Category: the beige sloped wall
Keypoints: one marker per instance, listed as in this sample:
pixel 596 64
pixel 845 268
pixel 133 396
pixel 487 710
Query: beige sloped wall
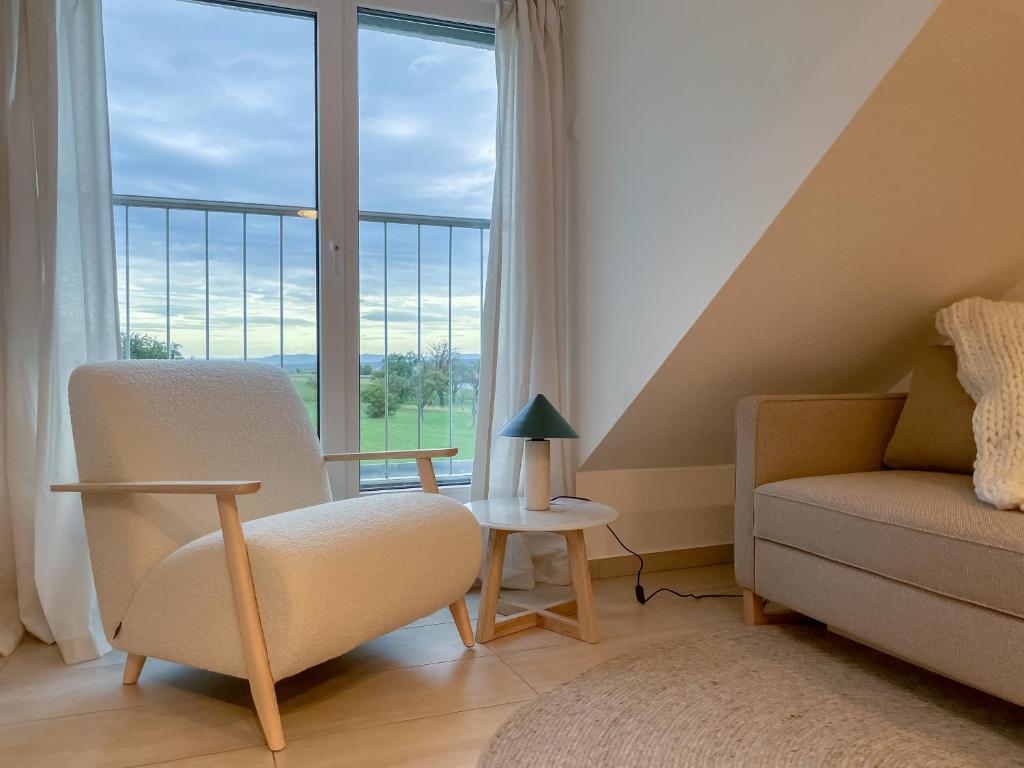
pixel 1016 293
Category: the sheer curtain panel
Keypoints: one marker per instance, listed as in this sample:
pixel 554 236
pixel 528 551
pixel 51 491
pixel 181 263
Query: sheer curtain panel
pixel 524 319
pixel 59 308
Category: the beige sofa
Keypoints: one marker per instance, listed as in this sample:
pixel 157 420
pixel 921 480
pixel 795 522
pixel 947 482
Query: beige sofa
pixel 909 562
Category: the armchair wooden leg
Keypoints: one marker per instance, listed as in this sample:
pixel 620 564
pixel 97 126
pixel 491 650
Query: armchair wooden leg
pixel 753 609
pixel 133 668
pixel 254 645
pixel 461 615
pixel 265 698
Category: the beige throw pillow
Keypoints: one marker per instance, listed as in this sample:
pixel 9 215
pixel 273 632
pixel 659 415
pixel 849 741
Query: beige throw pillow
pixel 934 432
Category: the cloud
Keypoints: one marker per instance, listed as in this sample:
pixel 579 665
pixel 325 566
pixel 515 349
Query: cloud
pixel 459 186
pixel 424 63
pixel 190 144
pixel 393 127
pixel 476 80
pixel 211 102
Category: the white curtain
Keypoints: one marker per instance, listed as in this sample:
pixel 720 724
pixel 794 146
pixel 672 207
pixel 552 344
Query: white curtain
pixel 59 302
pixel 524 320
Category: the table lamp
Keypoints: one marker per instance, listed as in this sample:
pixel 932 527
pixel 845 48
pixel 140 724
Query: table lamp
pixel 537 422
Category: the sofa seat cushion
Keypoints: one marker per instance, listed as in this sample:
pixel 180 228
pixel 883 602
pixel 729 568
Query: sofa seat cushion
pixel 328 578
pixel 927 529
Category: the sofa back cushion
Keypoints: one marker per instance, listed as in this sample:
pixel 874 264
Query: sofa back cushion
pixel 934 432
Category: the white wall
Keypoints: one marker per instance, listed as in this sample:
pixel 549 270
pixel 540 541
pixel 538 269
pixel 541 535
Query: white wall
pixel 661 509
pixel 694 123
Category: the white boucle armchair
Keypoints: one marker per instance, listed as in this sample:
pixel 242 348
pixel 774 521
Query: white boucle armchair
pixel 275 576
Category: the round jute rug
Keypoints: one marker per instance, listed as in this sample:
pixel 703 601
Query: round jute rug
pixel 759 696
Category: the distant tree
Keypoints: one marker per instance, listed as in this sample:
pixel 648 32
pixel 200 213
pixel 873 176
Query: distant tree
pixel 440 375
pixel 435 386
pixel 372 396
pixel 435 375
pixel 401 385
pixel 145 347
pixel 401 364
pixel 366 370
pixel 438 355
pixel 466 375
pixel 401 375
pixel 446 374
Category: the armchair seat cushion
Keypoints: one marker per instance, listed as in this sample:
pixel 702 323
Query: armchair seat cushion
pixel 926 529
pixel 327 577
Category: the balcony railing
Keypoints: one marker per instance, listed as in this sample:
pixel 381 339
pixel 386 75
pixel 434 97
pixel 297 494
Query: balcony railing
pixel 421 287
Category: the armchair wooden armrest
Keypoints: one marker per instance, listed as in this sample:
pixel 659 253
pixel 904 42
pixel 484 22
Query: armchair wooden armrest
pixel 254 645
pixel 211 487
pixel 423 458
pixel 423 453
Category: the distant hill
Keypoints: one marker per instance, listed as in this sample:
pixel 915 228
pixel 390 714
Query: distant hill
pixel 306 363
pixel 375 361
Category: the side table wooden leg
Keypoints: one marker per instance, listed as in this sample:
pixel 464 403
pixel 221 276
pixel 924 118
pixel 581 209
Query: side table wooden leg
pixel 580 571
pixel 491 588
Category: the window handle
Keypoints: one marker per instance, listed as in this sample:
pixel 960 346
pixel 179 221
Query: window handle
pixel 336 260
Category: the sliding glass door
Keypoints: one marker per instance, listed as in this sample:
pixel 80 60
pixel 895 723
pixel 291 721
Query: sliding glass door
pixel 272 205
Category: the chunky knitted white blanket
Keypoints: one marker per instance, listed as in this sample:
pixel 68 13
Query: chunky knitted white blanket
pixel 989 339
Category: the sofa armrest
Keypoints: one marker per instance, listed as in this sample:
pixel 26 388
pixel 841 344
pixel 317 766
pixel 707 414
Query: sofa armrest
pixel 779 437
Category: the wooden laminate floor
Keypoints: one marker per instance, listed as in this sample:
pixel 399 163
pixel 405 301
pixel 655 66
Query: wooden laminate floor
pixel 415 697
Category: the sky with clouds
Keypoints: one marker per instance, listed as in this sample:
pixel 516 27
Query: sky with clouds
pixel 218 103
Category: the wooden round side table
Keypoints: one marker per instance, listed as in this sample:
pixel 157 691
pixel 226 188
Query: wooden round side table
pixel 570 517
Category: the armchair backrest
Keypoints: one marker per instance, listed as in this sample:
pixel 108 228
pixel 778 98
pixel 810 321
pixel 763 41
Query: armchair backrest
pixel 181 420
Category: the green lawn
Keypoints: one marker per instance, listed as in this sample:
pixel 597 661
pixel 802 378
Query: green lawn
pixel 305 383
pixel 433 432
pixel 402 424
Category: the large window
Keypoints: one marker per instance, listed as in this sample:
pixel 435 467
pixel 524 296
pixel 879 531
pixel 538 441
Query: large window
pixel 227 167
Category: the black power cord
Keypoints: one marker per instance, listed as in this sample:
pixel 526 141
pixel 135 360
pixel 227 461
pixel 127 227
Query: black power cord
pixel 641 596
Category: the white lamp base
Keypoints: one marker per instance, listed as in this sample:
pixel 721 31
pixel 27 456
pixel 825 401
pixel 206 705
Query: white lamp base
pixel 538 475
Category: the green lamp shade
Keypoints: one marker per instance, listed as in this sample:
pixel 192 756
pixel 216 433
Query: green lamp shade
pixel 538 419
